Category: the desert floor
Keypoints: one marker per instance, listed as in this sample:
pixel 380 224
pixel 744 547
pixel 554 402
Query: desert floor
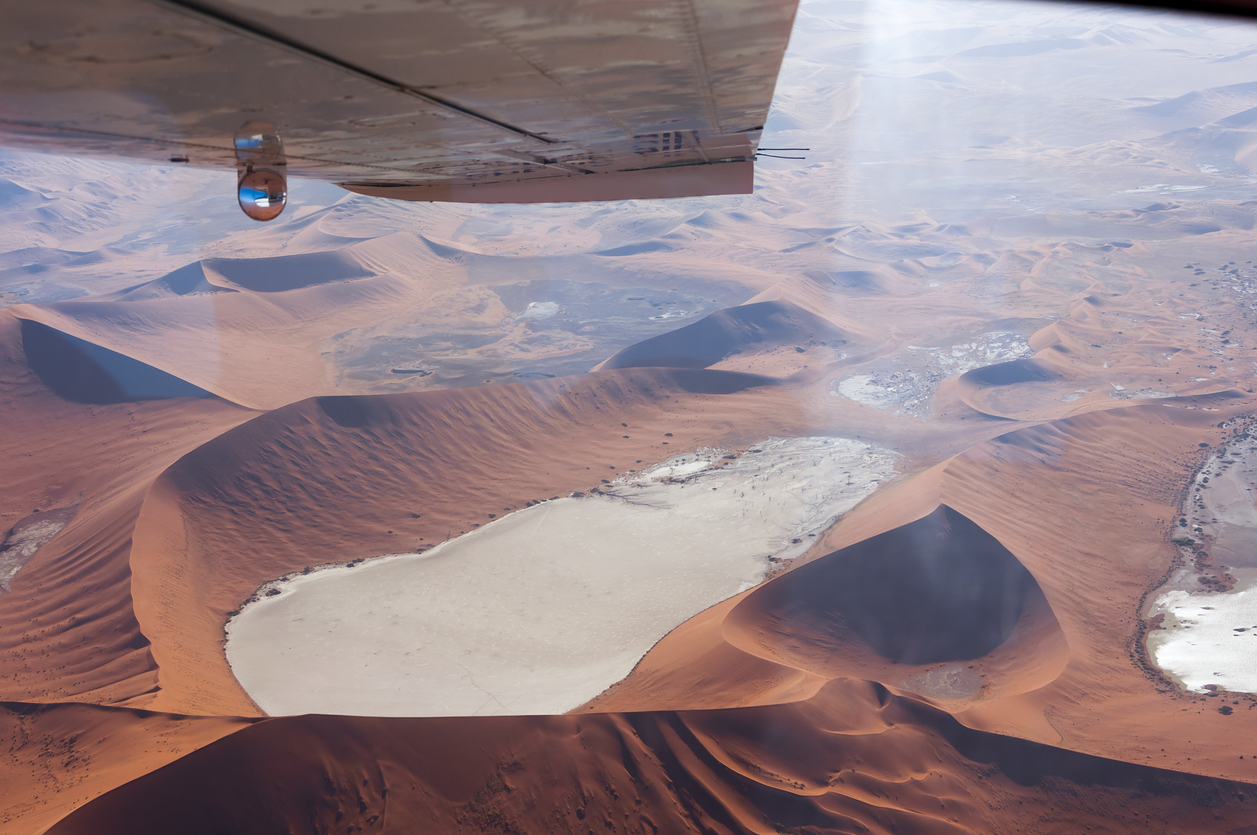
pixel 912 493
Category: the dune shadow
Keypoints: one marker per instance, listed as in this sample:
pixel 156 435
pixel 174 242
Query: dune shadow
pixel 726 332
pixel 719 382
pixel 938 589
pixel 290 272
pixel 1009 374
pixel 350 412
pixel 83 372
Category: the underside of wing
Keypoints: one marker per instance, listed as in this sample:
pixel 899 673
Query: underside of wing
pixel 481 101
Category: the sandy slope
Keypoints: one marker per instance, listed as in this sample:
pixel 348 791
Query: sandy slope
pixel 1070 673
pixel 750 328
pixel 69 632
pixel 882 764
pixel 332 480
pixel 249 330
pixel 264 332
pixel 191 528
pixel 57 757
pixel 545 607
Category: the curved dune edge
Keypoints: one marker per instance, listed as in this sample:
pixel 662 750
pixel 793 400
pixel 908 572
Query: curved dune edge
pixel 75 634
pixel 261 466
pixel 104 339
pixel 67 627
pixel 881 764
pixel 787 333
pixel 253 482
pixel 98 651
pixel 59 757
pixel 252 331
pixel 754 326
pixel 1065 376
pixel 1048 397
pixel 954 621
pixel 83 372
pixel 1082 687
pixel 335 479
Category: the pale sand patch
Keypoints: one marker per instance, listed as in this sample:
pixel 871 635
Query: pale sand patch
pixel 539 310
pixel 24 540
pixel 988 349
pixel 545 608
pixel 880 394
pixel 677 467
pixel 909 382
pixel 1209 638
pixel 1123 393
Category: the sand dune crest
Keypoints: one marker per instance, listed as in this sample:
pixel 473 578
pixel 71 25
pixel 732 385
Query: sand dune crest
pixel 83 372
pixel 755 326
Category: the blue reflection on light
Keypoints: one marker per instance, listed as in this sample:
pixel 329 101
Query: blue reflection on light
pixel 260 198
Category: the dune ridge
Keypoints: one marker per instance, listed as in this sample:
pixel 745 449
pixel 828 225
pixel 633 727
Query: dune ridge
pixel 1071 670
pixel 80 371
pixel 333 479
pixel 752 326
pixel 59 757
pixel 67 628
pixel 209 322
pixel 242 507
pixel 884 764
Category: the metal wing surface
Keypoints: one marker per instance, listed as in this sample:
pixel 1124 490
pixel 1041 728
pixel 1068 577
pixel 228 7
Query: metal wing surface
pixel 449 100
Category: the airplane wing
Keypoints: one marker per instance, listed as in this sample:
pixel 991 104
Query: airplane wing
pixel 483 101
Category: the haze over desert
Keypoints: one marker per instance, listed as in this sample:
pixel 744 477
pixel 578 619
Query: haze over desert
pixel 911 493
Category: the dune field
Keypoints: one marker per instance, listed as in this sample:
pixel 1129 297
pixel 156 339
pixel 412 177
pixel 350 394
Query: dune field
pixel 911 493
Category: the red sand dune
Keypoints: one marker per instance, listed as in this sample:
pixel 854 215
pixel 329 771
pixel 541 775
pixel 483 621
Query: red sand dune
pixel 334 479
pixel 855 758
pixel 750 327
pixel 845 694
pixel 67 628
pixel 255 498
pixel 1071 672
pixel 1076 360
pixel 253 331
pixel 842 694
pixel 57 757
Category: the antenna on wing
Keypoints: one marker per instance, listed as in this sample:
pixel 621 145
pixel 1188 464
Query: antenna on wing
pixel 760 153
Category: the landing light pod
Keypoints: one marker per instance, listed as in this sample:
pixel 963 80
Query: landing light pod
pixel 262 193
pixel 261 171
